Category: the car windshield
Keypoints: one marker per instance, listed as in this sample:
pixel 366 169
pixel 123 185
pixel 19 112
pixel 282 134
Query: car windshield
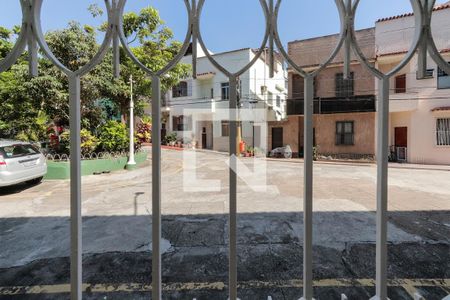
pixel 17 150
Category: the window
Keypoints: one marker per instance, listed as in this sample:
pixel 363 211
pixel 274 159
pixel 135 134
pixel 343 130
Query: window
pixel 344 87
pixel 180 90
pixel 225 88
pixel 181 123
pixel 345 133
pixel 298 86
pixel 400 84
pixel 278 101
pixel 19 150
pixel 443 79
pixel 443 132
pixel 225 128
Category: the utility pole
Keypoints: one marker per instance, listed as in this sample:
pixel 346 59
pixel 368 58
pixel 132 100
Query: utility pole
pixel 131 162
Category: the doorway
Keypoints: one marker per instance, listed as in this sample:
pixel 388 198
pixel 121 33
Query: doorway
pixel 401 143
pixel 277 137
pixel 204 139
pixel 401 137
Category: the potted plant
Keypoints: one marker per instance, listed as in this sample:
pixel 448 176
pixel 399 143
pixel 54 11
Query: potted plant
pixel 171 139
pixel 315 153
pixel 249 151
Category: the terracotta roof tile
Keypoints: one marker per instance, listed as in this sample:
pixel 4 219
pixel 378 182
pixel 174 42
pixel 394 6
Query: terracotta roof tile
pixel 442 108
pixel 436 8
pixel 404 52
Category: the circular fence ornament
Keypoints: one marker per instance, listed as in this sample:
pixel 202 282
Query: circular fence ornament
pixel 417 8
pixel 257 55
pixel 432 48
pixel 94 60
pixel 303 73
pixel 21 41
pixel 174 61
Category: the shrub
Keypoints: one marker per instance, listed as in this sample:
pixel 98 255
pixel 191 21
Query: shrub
pixel 113 137
pixel 144 132
pixel 88 142
pixel 170 138
pixel 35 131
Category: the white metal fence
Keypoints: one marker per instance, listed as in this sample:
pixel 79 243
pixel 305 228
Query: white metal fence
pixel 31 36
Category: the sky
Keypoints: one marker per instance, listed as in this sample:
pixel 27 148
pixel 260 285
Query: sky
pixel 225 24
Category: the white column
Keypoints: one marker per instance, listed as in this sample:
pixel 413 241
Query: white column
pixel 131 162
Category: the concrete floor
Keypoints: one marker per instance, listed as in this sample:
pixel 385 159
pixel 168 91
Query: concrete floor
pixel 34 231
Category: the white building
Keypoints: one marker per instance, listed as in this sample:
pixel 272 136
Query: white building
pixel 210 92
pixel 419 108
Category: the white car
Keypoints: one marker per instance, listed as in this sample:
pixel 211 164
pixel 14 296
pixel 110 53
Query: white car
pixel 281 152
pixel 20 162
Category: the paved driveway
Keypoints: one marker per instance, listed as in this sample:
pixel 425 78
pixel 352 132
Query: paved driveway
pixel 34 232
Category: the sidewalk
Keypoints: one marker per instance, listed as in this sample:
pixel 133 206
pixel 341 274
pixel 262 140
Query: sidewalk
pixel 332 162
pixel 371 164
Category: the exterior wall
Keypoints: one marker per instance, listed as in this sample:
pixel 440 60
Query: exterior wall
pixel 325 134
pixel 325 85
pixel 291 132
pixel 414 109
pixel 396 35
pixel 252 82
pixel 312 52
pixel 364 136
pixel 309 53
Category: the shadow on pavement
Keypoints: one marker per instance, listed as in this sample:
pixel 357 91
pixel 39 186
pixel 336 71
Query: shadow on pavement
pixel 17 188
pixel 117 255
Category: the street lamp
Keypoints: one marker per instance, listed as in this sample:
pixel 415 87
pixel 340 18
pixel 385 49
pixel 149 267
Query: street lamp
pixel 131 162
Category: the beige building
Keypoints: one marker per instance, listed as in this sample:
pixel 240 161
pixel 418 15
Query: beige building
pixel 419 108
pixel 344 109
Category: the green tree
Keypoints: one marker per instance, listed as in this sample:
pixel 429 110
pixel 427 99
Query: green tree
pixel 155 49
pixel 5 41
pixel 113 137
pixel 25 101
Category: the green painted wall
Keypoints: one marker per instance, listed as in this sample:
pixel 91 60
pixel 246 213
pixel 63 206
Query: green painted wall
pixel 61 170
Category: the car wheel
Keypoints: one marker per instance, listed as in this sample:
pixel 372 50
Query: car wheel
pixel 36 180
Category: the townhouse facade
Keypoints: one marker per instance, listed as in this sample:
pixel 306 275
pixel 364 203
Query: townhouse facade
pixel 344 109
pixel 195 106
pixel 419 107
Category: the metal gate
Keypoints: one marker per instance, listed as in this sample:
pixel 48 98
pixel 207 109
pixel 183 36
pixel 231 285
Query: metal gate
pixel 31 36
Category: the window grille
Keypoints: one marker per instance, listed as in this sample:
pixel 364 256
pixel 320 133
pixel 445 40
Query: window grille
pixel 443 132
pixel 345 133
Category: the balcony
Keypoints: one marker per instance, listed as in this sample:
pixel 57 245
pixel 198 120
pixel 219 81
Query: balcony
pixel 333 105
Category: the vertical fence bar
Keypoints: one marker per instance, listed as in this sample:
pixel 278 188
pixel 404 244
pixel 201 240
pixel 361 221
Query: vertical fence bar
pixel 76 249
pixel 116 56
pixel 156 188
pixel 32 43
pixel 348 40
pixel 194 39
pixel 271 43
pixel 233 190
pixel 423 45
pixel 382 187
pixel 422 57
pixel 116 45
pixel 32 55
pixel 308 189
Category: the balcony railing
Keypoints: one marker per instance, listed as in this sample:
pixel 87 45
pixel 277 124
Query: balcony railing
pixel 295 106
